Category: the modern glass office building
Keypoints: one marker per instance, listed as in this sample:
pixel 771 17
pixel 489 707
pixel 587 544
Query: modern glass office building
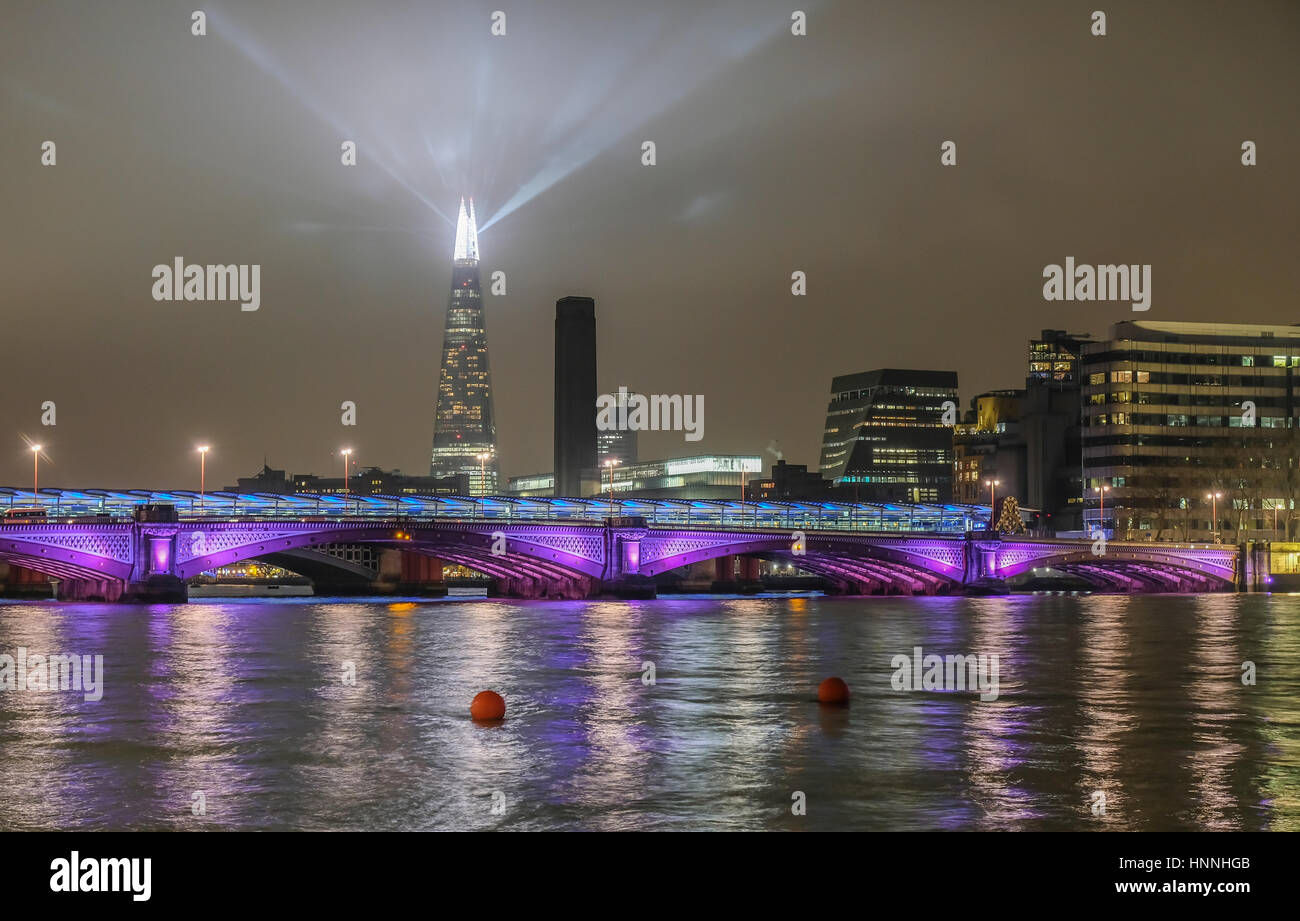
pixel 464 428
pixel 713 476
pixel 886 437
pixel 1189 430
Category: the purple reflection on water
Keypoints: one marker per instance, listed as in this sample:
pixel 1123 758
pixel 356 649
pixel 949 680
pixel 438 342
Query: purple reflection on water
pixel 244 701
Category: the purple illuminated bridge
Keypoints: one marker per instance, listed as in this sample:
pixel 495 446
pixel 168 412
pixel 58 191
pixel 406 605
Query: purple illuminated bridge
pixel 130 560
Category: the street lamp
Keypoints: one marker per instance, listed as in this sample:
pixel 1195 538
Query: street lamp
pixel 346 452
pixel 36 470
pixel 991 484
pixel 610 464
pixel 1101 521
pixel 1214 498
pixel 483 458
pixel 203 473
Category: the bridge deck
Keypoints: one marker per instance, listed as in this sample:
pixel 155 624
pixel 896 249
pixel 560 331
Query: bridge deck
pixel 221 505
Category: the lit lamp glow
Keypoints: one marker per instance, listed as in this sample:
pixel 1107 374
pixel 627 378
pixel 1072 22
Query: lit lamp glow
pixel 36 473
pixel 610 464
pixel 203 472
pixel 1214 498
pixel 992 485
pixel 1101 491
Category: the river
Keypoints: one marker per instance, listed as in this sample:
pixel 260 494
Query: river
pixel 686 712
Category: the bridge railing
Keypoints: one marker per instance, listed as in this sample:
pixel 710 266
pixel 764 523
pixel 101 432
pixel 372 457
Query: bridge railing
pixel 61 504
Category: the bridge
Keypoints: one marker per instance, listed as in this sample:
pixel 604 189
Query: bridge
pixel 566 548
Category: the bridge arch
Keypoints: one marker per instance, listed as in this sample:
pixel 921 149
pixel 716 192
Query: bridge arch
pixel 517 554
pixel 1127 566
pixel 847 560
pixel 63 552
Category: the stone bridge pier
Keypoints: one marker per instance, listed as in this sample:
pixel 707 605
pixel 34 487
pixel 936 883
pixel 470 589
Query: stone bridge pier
pixel 416 573
pixel 622 577
pixel 735 574
pixel 152 579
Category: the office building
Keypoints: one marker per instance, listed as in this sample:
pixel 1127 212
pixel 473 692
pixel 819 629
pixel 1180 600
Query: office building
pixel 368 481
pixel 714 476
pixel 885 435
pixel 1189 430
pixel 618 445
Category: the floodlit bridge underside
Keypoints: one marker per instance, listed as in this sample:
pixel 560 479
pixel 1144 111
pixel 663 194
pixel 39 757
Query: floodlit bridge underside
pixel 520 566
pixel 1134 568
pixel 553 560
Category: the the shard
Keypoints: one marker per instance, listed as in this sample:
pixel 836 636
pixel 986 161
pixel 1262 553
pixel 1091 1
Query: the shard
pixel 464 428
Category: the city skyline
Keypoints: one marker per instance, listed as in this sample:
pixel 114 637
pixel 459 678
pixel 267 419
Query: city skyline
pixel 908 264
pixel 611 416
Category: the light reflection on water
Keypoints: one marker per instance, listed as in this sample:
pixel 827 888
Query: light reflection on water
pixel 1139 698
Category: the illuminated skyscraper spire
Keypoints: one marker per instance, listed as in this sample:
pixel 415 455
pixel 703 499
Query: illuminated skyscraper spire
pixel 466 234
pixel 464 427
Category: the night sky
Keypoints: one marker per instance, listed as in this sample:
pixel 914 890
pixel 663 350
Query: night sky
pixel 775 153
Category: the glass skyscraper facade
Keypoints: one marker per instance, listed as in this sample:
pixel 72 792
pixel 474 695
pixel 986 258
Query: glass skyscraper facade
pixel 464 428
pixel 885 435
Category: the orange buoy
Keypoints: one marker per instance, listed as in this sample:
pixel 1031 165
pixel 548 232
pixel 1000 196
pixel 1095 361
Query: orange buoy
pixel 489 705
pixel 833 691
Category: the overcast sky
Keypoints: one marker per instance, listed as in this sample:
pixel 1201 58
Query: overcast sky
pixel 775 153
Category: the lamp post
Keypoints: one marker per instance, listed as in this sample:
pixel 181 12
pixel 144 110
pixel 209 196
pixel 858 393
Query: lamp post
pixel 1214 498
pixel 203 474
pixel 482 480
pixel 346 453
pixel 742 491
pixel 1101 492
pixel 992 485
pixel 36 474
pixel 610 464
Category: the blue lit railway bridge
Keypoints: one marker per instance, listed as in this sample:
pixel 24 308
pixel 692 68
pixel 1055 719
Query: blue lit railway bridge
pixel 139 545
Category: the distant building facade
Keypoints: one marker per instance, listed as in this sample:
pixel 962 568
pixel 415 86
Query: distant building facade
pixel 713 476
pixel 885 435
pixel 989 450
pixel 1054 357
pixel 794 482
pixel 1026 443
pixel 1178 413
pixel 368 481
pixel 618 444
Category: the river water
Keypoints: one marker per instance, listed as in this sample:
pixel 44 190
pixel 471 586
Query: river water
pixel 241 710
